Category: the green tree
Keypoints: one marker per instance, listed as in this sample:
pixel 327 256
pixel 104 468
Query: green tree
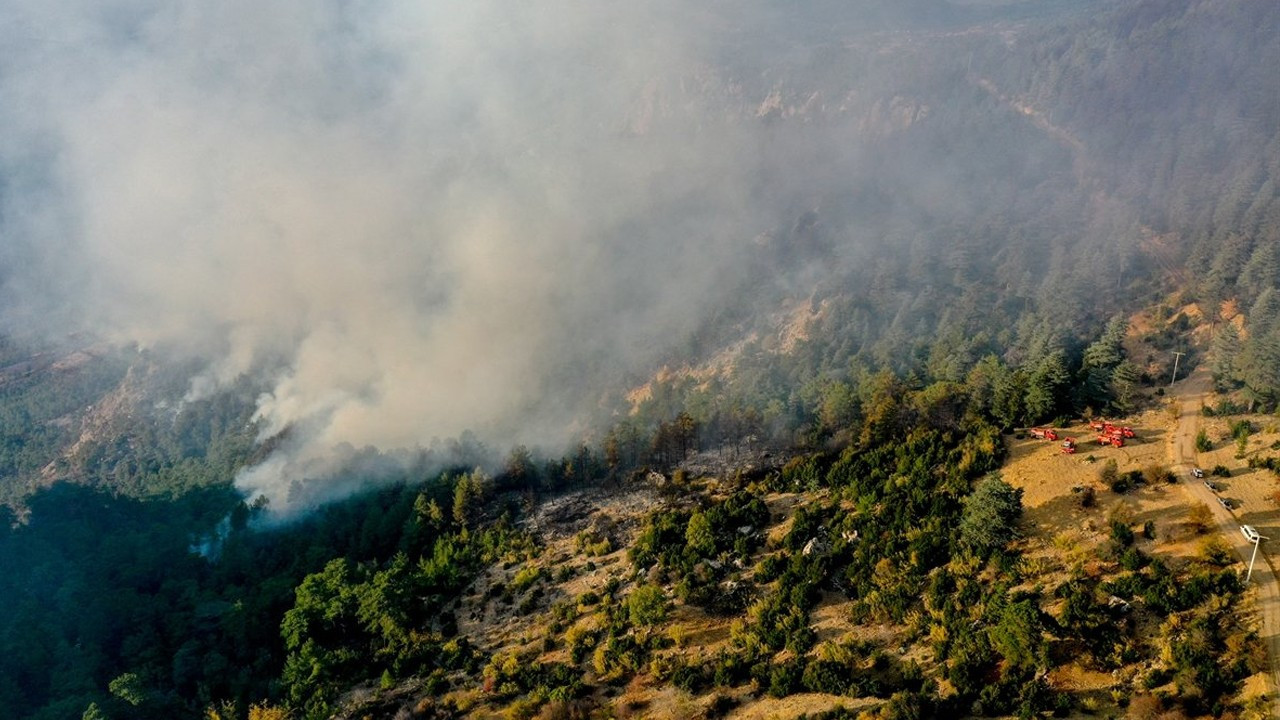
pixel 128 687
pixel 1264 314
pixel 698 536
pixel 1099 364
pixel 990 516
pixel 1019 636
pixel 612 451
pixel 520 471
pixel 319 633
pixel 1223 352
pixel 1007 393
pixel 427 512
pixel 1259 368
pixel 1108 350
pixel 1124 386
pixel 837 406
pixel 1262 271
pixel 1202 441
pixel 647 606
pixel 1045 386
pixel 468 494
pixel 981 383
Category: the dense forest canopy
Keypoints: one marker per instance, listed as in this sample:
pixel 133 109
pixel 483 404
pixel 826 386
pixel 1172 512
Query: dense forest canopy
pixel 278 389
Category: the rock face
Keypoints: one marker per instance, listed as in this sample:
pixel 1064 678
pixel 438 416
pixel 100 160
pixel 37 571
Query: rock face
pixel 747 460
pixel 816 546
pixel 606 513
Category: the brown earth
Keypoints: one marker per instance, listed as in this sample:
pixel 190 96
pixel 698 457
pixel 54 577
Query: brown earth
pixel 1062 534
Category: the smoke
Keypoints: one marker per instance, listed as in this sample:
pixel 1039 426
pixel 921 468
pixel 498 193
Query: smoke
pixel 408 219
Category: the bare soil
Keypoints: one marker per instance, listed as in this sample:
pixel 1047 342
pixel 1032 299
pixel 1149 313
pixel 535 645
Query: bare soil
pixel 1062 534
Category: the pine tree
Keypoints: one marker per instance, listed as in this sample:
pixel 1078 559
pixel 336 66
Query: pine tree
pixel 1264 315
pixel 1045 386
pixel 1260 368
pixel 1223 354
pixel 1262 271
pixel 990 516
pixel 467 495
pixel 1107 351
pixel 1124 386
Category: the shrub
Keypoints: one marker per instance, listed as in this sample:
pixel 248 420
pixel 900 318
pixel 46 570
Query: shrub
pixel 1199 518
pixel 1121 534
pixel 1088 497
pixel 525 578
pixel 522 709
pixel 784 679
pixel 802 472
pixel 647 606
pixel 1241 429
pixel 527 605
pixel 1220 471
pixel 825 676
pixel 1157 473
pixel 1216 551
pixel 1270 463
pixel 1202 441
pixel 1133 559
pixel 720 706
pixel 559 709
pixel 1110 476
pixel 688 678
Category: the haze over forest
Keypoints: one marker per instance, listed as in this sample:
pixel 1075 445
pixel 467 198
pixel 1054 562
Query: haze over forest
pixel 291 252
pixel 404 222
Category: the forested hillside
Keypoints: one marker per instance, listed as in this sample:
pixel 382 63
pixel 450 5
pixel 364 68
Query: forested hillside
pixel 962 219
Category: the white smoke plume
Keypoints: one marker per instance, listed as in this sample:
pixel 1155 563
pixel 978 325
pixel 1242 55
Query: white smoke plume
pixel 421 217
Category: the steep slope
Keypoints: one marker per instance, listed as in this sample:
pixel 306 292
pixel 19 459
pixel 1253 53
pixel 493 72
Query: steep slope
pixel 978 218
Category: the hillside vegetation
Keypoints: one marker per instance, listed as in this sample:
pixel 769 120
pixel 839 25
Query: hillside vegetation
pixel 800 509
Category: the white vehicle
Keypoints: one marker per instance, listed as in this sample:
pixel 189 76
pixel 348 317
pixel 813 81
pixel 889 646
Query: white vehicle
pixel 1197 472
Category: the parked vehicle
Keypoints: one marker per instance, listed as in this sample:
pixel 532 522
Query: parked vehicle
pixel 1044 433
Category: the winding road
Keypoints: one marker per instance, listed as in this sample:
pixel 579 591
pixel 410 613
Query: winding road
pixel 1190 394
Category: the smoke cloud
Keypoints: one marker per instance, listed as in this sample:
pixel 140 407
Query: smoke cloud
pixel 414 218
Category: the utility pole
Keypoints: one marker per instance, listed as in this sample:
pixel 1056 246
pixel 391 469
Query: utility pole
pixel 1176 357
pixel 1252 536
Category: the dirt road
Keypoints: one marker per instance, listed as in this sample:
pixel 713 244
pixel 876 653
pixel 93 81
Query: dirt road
pixel 1190 394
